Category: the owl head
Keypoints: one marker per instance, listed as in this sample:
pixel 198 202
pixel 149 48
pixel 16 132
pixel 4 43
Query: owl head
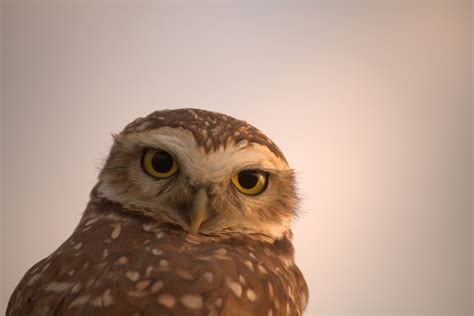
pixel 206 172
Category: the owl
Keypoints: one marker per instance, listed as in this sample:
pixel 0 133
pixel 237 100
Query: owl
pixel 191 215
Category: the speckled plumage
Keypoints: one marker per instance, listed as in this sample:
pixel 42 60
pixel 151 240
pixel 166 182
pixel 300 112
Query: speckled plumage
pixel 133 252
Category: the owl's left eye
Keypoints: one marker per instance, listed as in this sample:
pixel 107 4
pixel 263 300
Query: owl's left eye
pixel 158 163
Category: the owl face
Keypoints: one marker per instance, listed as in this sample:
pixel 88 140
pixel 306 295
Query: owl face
pixel 206 172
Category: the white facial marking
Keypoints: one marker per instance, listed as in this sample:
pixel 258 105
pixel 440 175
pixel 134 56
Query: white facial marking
pixel 212 165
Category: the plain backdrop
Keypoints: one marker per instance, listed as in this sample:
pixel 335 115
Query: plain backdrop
pixel 370 101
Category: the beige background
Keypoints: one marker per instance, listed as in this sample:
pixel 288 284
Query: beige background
pixel 372 104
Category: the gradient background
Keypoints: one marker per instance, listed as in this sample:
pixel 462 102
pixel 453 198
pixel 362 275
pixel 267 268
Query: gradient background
pixel 371 103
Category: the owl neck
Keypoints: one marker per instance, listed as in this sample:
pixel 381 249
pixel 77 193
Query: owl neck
pixel 100 206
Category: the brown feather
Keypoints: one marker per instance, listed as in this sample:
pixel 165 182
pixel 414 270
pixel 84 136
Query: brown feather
pixel 117 263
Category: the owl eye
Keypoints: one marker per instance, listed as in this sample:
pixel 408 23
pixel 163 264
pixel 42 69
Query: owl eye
pixel 158 163
pixel 250 182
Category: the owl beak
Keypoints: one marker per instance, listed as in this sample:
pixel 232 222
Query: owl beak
pixel 199 211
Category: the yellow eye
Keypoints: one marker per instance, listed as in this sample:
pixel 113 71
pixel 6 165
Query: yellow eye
pixel 158 163
pixel 250 182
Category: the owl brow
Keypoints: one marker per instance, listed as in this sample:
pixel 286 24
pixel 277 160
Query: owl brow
pixel 255 167
pixel 134 145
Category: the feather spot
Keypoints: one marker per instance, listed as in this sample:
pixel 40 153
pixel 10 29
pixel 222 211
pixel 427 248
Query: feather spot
pixel 91 221
pixel 137 293
pixel 270 290
pixel 45 267
pixel 58 287
pixel 249 265
pixel 262 269
pixel 147 227
pixel 157 252
pixel 270 312
pixel 76 288
pixel 34 278
pixel 133 275
pixel 185 274
pixel 235 287
pixel 158 285
pixel 251 295
pixel 167 300
pixel 122 260
pixel 242 279
pixel 148 271
pixel 208 276
pixel 116 231
pixel 164 264
pixel 192 301
pixel 85 266
pixel 220 252
pixel 81 300
pixel 104 300
pixel 143 284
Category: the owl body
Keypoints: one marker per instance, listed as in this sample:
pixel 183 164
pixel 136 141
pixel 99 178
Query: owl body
pixel 190 216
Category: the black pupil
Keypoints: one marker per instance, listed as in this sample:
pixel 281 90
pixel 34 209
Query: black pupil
pixel 248 180
pixel 162 162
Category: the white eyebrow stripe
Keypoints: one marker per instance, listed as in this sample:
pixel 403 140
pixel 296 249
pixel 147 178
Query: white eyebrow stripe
pixel 213 165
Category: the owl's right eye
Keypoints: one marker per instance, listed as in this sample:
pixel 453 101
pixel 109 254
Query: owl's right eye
pixel 158 163
pixel 250 182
